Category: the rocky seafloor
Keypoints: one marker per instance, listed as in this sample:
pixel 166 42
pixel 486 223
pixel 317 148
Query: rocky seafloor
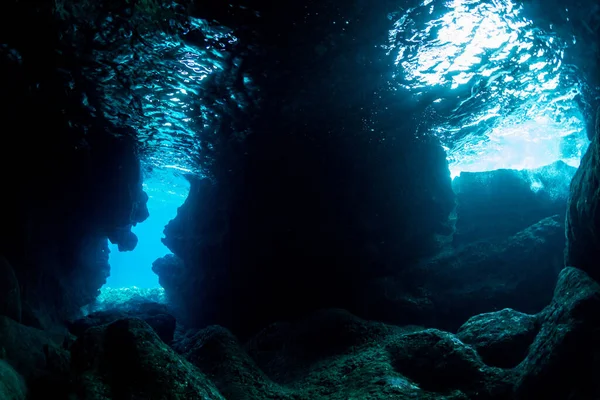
pixel 135 349
pixel 330 354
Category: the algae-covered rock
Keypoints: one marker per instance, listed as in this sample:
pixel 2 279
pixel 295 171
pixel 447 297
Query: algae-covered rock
pixel 439 361
pixel 127 359
pixel 155 314
pixel 217 353
pixel 501 338
pixel 372 360
pixel 12 385
pixel 36 356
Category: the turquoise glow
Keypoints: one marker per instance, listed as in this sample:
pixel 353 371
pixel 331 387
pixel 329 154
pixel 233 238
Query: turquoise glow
pixel 506 97
pixel 166 190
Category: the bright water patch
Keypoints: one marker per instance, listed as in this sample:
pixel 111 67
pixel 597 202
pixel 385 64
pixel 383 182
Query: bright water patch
pixel 167 191
pixel 501 95
pixel 170 91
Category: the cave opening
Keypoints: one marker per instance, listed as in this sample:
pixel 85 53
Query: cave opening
pixel 131 271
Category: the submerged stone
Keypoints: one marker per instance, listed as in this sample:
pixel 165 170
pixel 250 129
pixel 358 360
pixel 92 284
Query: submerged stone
pixel 154 314
pixel 126 359
pixel 218 354
pixel 439 361
pixel 34 354
pixel 501 338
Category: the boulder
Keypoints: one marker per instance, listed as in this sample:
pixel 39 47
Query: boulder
pixel 439 361
pixel 501 338
pixel 127 359
pixel 42 362
pixel 218 354
pixel 154 314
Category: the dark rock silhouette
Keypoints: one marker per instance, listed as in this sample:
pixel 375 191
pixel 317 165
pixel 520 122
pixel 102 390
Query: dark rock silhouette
pixel 154 314
pixel 583 212
pixel 126 359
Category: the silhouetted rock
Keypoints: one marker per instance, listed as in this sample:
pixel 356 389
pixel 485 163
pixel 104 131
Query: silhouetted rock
pixel 438 361
pixel 519 272
pixel 252 248
pixel 10 293
pixel 583 213
pixel 35 355
pixel 126 359
pixel 54 232
pixel 501 338
pixel 218 354
pixel 500 203
pixel 172 277
pixel 154 314
pixel 562 362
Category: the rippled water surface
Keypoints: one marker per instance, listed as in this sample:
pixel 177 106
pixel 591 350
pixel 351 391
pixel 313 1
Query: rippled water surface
pixel 493 81
pixel 161 89
pixel 501 94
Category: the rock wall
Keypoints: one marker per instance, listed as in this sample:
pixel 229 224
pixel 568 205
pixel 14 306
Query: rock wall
pixel 583 212
pixel 331 189
pixel 70 179
pixel 498 204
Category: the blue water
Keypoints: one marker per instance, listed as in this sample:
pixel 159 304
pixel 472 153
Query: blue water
pixel 167 190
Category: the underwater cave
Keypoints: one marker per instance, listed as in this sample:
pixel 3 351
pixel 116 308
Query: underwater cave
pixel 132 270
pixel 300 200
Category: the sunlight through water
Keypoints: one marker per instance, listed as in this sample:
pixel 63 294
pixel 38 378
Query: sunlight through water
pixel 500 94
pixel 164 90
